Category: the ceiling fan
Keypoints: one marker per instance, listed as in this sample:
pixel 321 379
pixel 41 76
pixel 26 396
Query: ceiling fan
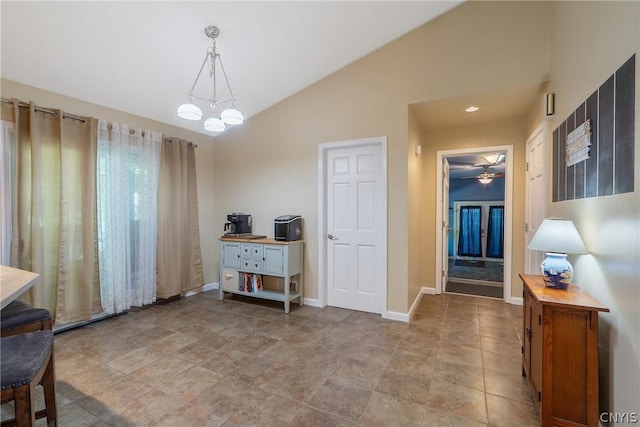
pixel 485 177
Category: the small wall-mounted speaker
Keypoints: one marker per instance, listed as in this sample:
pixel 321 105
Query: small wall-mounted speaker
pixel 550 104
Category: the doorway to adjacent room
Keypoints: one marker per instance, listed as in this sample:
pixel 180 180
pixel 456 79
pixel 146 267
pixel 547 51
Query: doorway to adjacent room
pixel 476 221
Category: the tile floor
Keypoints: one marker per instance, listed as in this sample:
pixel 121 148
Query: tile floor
pixel 202 362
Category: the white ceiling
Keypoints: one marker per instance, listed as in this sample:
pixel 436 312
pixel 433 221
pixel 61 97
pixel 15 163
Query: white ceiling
pixel 142 57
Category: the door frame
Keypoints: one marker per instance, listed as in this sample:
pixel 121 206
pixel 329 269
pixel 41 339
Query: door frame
pixel 508 210
pixel 380 141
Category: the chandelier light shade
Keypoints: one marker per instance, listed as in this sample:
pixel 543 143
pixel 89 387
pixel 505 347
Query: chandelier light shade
pixel 485 180
pixel 557 237
pixel 189 111
pixel 230 114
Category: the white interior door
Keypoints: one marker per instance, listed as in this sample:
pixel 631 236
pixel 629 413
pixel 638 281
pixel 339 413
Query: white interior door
pixel 445 223
pixel 355 239
pixel 535 198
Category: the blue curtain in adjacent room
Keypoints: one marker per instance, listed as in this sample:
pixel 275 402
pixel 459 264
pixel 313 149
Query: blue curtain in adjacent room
pixel 495 232
pixel 469 242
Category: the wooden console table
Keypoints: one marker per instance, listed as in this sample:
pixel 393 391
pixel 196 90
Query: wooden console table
pixel 560 352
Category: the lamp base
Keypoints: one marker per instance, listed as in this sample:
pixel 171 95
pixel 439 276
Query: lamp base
pixel 556 271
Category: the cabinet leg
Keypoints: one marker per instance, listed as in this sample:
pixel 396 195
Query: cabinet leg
pixel 286 306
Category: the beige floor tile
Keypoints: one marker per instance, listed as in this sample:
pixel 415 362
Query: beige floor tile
pixel 459 354
pixel 171 343
pixel 237 363
pixel 358 373
pixel 437 417
pixel 161 371
pixel 455 373
pixel 311 417
pixel 147 410
pixel 462 401
pixel 135 360
pixel 344 400
pixel 385 410
pixel 404 386
pixel 508 412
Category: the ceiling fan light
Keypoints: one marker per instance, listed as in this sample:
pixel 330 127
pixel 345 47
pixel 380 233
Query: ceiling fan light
pixel 232 116
pixel 214 124
pixel 189 111
pixel 485 180
pixel 494 159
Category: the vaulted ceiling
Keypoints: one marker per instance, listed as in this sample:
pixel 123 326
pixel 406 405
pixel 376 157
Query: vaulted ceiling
pixel 142 57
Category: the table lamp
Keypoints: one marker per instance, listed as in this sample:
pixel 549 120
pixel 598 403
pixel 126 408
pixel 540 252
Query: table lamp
pixel 557 237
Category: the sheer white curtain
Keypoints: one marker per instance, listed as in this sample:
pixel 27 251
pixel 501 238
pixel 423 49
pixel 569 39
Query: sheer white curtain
pixel 7 151
pixel 127 180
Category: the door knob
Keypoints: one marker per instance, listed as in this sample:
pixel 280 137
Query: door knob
pixel 332 237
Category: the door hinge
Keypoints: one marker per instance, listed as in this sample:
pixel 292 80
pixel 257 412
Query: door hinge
pixel 444 174
pixel 522 349
pixel 443 224
pixel 442 273
pixel 539 319
pixel 527 166
pixel 526 227
pixel 539 396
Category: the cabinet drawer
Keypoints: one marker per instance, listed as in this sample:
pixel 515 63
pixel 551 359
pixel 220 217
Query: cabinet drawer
pixel 256 251
pixel 246 251
pixel 251 265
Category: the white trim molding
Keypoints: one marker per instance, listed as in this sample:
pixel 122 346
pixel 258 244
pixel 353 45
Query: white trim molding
pixel 312 302
pixel 205 288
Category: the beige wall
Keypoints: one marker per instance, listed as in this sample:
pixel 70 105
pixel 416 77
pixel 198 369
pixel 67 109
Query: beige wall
pixel 268 167
pixel 505 132
pixel 590 41
pixel 416 222
pixel 204 152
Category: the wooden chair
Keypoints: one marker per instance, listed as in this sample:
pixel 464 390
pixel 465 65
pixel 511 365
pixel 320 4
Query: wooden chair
pixel 19 317
pixel 27 361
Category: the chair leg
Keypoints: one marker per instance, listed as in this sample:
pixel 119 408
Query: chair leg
pixel 25 397
pixel 49 388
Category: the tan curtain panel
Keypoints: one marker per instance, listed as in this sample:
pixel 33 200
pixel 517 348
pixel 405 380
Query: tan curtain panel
pixel 179 262
pixel 54 213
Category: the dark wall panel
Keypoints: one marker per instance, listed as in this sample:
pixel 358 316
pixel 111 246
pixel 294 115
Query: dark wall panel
pixel 562 162
pixel 605 139
pixel 571 170
pixel 624 127
pixel 554 184
pixel 610 167
pixel 591 164
pixel 579 167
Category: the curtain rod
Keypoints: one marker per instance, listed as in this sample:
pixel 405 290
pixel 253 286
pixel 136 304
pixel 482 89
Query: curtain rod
pixel 44 110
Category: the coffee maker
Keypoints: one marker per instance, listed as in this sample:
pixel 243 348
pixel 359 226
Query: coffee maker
pixel 238 224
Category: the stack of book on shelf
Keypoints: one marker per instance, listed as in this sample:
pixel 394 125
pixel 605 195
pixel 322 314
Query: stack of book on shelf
pixel 250 282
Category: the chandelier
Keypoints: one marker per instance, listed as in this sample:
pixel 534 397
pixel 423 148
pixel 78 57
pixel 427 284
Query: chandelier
pixel 230 115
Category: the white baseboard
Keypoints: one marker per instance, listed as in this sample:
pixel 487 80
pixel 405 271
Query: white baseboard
pixel 394 315
pixel 205 288
pixel 428 291
pixel 312 302
pixel 516 301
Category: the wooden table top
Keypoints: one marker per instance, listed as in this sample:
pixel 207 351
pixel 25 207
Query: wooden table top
pixel 13 282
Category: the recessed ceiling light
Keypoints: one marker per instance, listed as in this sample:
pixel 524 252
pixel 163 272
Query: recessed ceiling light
pixel 471 109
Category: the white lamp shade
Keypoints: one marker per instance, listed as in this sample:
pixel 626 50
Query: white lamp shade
pixel 485 180
pixel 213 124
pixel 232 116
pixel 189 111
pixel 558 236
